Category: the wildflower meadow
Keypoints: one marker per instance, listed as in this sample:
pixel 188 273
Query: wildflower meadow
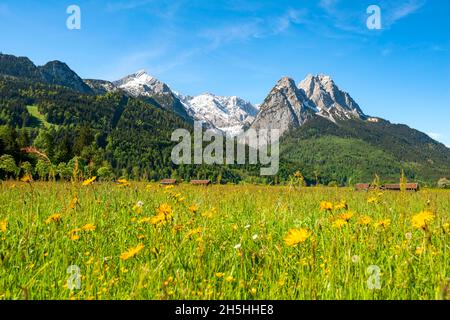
pixel 135 240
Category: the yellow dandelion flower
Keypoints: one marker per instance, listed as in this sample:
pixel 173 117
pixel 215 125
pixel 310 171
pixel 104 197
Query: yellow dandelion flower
pixel 326 206
pixel 73 234
pixel 372 200
pixel 88 227
pixel 193 208
pixel 145 220
pixel 296 236
pixel 3 225
pixel 422 219
pixel 220 274
pixel 74 237
pixel 53 218
pixel 229 279
pixel 194 232
pixel 253 291
pixel 164 209
pixel 210 213
pixel 89 181
pixel 123 183
pixel 130 253
pixel 158 220
pixel 341 205
pixel 141 236
pixel 383 223
pixel 364 220
pixel 346 216
pixel 446 227
pixel 339 223
pixel 73 202
pixel 26 178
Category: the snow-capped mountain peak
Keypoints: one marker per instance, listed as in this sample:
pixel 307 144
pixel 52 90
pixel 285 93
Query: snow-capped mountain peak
pixel 330 101
pixel 285 107
pixel 141 84
pixel 228 114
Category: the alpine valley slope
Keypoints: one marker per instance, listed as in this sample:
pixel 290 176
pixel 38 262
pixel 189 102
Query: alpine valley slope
pixel 326 134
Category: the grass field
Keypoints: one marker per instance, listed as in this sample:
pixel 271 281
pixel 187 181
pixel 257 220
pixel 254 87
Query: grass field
pixel 143 241
pixel 39 117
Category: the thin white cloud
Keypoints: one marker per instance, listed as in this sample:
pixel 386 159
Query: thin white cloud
pixel 181 58
pixel 229 33
pixel 398 12
pixel 127 5
pixel 328 5
pixel 350 21
pixel 354 20
pixel 166 9
pixel 292 16
pixel 134 61
pixel 253 28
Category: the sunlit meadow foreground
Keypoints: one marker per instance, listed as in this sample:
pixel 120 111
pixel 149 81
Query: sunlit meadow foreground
pixel 143 241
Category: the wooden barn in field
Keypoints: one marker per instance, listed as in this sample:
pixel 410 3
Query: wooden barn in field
pixel 167 182
pixel 392 187
pixel 397 187
pixel 362 187
pixel 201 182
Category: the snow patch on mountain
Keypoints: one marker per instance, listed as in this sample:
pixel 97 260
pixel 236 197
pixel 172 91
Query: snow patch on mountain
pixel 330 102
pixel 141 84
pixel 228 114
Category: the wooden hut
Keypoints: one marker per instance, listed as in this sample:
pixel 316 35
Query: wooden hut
pixel 397 187
pixel 201 182
pixel 167 182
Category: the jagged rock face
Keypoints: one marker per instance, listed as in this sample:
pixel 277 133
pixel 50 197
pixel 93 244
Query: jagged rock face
pixel 58 73
pixel 228 114
pixel 101 87
pixel 286 107
pixel 330 101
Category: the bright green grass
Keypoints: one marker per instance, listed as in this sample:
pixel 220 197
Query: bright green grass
pixel 331 264
pixel 34 112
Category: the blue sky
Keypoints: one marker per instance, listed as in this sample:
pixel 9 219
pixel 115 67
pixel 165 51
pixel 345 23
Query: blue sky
pixel 236 47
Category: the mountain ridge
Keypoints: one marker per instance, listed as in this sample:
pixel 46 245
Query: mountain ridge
pixel 320 123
